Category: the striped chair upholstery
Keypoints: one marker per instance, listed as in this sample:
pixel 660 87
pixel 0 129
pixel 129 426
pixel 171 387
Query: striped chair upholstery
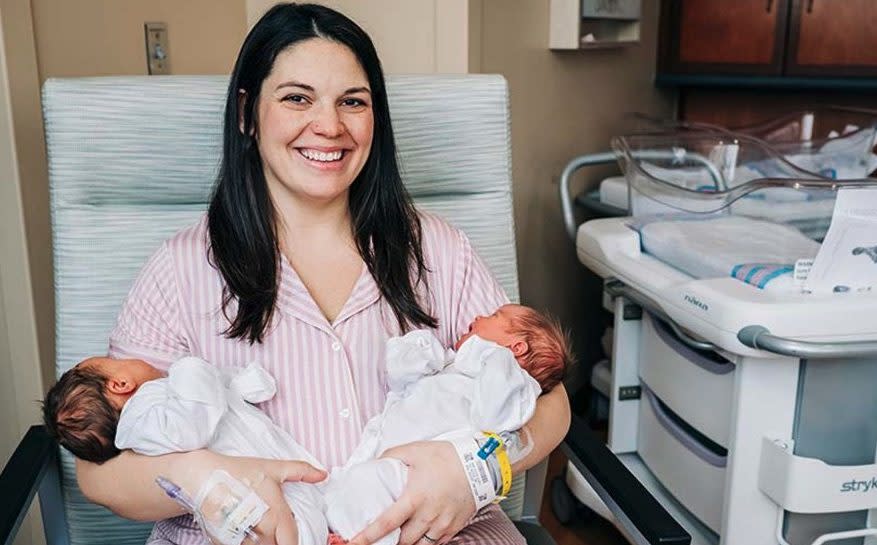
pixel 133 159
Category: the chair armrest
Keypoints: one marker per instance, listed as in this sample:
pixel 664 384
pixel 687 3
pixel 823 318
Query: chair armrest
pixel 32 468
pixel 641 516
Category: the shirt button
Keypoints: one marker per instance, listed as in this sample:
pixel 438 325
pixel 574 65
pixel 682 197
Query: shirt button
pixel 336 346
pixel 345 413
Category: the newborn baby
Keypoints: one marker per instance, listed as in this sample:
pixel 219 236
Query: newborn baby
pixel 501 365
pixel 104 405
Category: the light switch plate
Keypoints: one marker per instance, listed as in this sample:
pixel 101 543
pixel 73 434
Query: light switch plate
pixel 157 52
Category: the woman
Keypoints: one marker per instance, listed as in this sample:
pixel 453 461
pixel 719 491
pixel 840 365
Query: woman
pixel 310 257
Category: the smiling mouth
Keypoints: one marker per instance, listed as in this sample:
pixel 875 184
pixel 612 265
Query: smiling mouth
pixel 322 156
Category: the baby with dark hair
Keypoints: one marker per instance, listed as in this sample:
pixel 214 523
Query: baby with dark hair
pixel 501 365
pixel 82 409
pixel 105 405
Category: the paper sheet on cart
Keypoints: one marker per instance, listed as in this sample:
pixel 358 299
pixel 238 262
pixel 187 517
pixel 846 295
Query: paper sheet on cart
pixel 847 260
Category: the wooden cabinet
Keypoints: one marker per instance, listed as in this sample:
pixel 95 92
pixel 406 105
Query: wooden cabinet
pixel 798 38
pixel 717 36
pixel 832 38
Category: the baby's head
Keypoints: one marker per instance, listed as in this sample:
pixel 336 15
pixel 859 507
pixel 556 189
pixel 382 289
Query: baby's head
pixel 538 341
pixel 82 409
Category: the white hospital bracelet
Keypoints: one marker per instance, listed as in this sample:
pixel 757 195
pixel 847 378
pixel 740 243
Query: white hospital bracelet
pixel 476 470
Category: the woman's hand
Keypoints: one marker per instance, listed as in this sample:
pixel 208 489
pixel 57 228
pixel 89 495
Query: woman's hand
pixel 436 502
pixel 265 477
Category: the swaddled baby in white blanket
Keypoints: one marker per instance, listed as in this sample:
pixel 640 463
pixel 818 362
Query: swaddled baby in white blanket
pixel 491 383
pixel 197 405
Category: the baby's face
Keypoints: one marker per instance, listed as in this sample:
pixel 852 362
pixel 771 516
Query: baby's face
pixel 495 327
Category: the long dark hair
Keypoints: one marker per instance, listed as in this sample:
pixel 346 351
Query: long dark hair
pixel 244 246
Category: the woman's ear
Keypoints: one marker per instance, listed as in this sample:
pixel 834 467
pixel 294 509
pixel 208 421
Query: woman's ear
pixel 242 102
pixel 519 348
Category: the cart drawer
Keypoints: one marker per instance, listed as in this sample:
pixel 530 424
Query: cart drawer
pixel 696 385
pixel 692 468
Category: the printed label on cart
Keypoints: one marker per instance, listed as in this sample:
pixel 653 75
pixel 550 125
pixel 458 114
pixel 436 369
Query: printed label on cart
pixel 847 260
pixel 802 270
pixel 692 300
pixel 859 486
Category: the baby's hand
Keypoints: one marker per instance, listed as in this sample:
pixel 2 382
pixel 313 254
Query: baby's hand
pixel 335 539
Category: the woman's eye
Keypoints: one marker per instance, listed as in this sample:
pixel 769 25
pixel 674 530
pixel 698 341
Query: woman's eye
pixel 296 99
pixel 353 102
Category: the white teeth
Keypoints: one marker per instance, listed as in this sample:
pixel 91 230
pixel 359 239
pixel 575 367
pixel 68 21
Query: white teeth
pixel 314 155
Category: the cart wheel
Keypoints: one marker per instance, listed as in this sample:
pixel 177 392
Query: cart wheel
pixel 563 503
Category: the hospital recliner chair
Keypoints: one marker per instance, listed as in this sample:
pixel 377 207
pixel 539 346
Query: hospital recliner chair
pixel 133 159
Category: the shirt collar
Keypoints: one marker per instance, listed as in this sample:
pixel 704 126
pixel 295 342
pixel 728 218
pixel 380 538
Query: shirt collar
pixel 294 299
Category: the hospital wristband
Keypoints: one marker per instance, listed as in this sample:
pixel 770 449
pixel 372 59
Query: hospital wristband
pixel 476 470
pixel 504 483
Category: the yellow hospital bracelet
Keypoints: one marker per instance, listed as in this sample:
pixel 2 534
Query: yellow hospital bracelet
pixel 505 467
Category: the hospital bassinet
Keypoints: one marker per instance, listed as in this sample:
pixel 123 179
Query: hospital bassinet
pixel 746 408
pixel 829 141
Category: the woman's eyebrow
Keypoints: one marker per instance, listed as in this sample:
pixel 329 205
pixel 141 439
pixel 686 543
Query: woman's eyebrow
pixel 353 90
pixel 295 84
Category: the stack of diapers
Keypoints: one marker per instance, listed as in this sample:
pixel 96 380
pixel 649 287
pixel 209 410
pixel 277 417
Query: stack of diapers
pixel 758 252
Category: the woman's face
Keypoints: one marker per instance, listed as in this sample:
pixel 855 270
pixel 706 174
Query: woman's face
pixel 315 122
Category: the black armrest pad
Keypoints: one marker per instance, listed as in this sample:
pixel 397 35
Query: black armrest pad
pixel 22 476
pixel 534 533
pixel 604 471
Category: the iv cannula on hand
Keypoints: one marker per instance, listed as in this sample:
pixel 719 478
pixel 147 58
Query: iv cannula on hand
pixel 179 495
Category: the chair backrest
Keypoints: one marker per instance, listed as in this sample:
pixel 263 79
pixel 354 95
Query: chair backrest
pixel 133 159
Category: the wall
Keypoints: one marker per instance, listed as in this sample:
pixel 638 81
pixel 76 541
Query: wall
pixel 411 36
pixel 105 37
pixel 30 163
pixel 20 376
pixel 563 104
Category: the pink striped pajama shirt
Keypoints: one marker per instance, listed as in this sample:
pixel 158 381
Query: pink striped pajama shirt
pixel 330 376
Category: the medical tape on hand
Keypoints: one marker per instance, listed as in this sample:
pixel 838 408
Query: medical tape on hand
pixel 228 508
pixel 476 470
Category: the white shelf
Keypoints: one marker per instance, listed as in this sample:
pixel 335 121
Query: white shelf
pixel 610 23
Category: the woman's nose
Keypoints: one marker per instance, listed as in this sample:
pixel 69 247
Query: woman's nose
pixel 327 122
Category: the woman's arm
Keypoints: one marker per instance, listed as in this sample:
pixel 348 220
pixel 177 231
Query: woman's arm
pixel 139 498
pixel 126 485
pixel 547 428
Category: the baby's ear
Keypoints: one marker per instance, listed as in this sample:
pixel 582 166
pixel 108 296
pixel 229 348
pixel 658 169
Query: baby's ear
pixel 121 386
pixel 519 348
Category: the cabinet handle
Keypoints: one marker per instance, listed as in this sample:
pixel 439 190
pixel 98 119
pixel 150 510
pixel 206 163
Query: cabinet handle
pixel 769 5
pixel 809 6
